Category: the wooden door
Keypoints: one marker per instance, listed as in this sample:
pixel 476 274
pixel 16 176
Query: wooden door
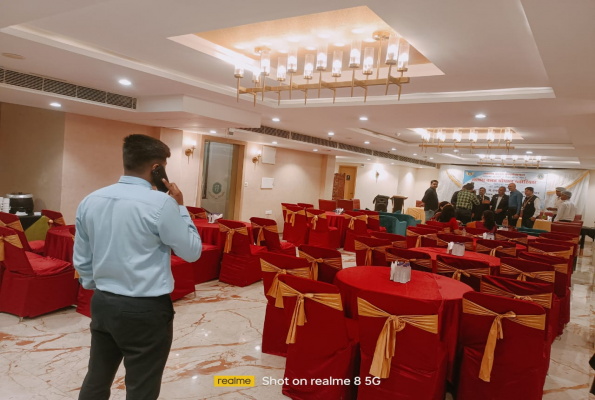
pixel 350 178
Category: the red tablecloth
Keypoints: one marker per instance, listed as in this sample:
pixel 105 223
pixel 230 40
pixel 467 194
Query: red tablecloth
pixel 209 233
pixel 426 287
pixel 338 221
pixel 469 255
pixel 59 243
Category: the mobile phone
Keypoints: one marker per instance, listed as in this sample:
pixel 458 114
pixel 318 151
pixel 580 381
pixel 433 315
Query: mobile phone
pixel 158 174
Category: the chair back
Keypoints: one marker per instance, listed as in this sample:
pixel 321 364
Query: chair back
pixel 467 271
pixel 518 355
pixel 234 235
pixel 357 222
pixel 496 248
pixel 265 233
pixel 327 205
pixel 356 204
pixel 371 251
pixel 317 220
pixel 72 230
pixel 305 205
pixel 323 332
pixel 449 237
pixel 416 236
pixel 521 270
pixel 346 205
pixel 417 260
pixel 551 250
pixel 568 244
pixel 13 222
pixel 55 218
pixel 12 253
pixel 514 236
pixel 396 240
pixel 443 227
pixel 560 264
pixel 197 212
pixel 373 219
pixel 273 265
pixel 327 261
pixel 563 237
pixel 476 231
pixel 567 227
pixel 295 226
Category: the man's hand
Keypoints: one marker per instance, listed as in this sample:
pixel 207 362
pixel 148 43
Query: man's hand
pixel 174 192
pixel 532 218
pixel 515 216
pixel 498 211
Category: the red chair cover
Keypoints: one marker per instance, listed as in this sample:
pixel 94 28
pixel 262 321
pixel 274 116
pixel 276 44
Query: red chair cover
pixel 564 251
pixel 564 237
pixel 356 204
pixel 566 243
pixel 13 222
pixel 328 260
pixel 266 229
pixel 496 248
pixel 418 367
pixel 31 284
pixel 467 271
pixel 346 205
pixel 325 346
pixel 475 231
pixel 514 236
pixel 467 241
pixel 518 371
pixel 567 227
pixel 197 212
pixel 443 227
pixel 305 205
pixel 374 221
pixel 83 301
pixel 421 237
pixel 371 251
pixel 357 228
pixel 55 217
pixel 327 205
pixel 183 278
pixel 418 261
pixel 295 227
pixel 208 266
pixel 274 334
pixel 396 240
pixel 241 265
pixel 319 231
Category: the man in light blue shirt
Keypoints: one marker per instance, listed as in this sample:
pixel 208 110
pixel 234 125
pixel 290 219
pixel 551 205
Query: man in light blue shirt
pixel 124 236
pixel 515 203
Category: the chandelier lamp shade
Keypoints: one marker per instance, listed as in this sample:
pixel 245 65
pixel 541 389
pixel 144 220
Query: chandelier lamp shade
pixel 436 138
pixel 526 162
pixel 365 62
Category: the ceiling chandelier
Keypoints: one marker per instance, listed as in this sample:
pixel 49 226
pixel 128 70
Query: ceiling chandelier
pixel 397 54
pixel 525 162
pixel 436 138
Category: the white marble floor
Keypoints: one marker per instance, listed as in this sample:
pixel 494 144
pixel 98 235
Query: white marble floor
pixel 219 332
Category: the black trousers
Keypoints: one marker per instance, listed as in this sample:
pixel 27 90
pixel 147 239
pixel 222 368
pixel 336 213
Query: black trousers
pixel 500 217
pixel 511 212
pixel 136 329
pixel 527 223
pixel 463 215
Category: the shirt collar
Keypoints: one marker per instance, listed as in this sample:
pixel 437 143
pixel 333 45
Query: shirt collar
pixel 133 180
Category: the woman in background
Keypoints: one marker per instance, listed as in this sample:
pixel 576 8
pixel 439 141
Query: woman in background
pixel 440 207
pixel 448 216
pixel 488 221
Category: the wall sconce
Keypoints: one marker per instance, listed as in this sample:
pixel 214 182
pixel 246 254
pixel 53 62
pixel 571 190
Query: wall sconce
pixel 257 158
pixel 190 151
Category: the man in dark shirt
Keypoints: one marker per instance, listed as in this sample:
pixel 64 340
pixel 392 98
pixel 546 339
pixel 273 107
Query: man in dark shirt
pixel 499 205
pixel 430 200
pixel 484 204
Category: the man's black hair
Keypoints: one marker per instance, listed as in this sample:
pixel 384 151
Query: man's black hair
pixel 433 180
pixel 141 150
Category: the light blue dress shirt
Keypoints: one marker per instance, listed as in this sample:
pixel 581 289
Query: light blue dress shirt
pixel 124 236
pixel 516 200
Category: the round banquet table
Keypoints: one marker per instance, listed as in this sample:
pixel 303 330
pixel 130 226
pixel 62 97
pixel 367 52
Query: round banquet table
pixel 209 233
pixel 338 221
pixel 469 255
pixel 59 243
pixel 446 292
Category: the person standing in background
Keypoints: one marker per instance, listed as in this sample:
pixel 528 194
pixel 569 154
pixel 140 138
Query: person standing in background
pixel 484 204
pixel 430 200
pixel 566 210
pixel 530 209
pixel 499 205
pixel 557 202
pixel 466 199
pixel 515 203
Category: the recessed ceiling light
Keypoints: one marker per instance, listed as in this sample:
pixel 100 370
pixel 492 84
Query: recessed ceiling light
pixel 529 152
pixel 431 158
pixel 366 142
pixel 369 40
pixel 57 105
pixel 324 35
pixel 276 120
pixel 368 159
pixel 310 48
pixel 13 56
pixel 339 44
pixel 212 131
pixel 274 142
pixel 358 30
pixel 414 154
pixel 315 150
pixel 124 82
pixel 480 116
pixel 363 118
pixel 393 149
pixel 455 150
pixel 331 133
pixel 392 163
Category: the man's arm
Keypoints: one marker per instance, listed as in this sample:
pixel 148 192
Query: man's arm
pixel 537 204
pixel 475 200
pixel 176 230
pixel 82 257
pixel 425 198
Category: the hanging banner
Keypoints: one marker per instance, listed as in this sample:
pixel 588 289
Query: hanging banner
pixel 492 180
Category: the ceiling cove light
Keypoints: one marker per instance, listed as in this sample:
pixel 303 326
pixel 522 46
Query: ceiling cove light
pixel 529 152
pixel 213 131
pixel 57 105
pixel 331 133
pixel 124 82
pixel 366 142
pixel 276 119
pixel 315 150
pixel 363 118
pixel 480 116
pixel 274 142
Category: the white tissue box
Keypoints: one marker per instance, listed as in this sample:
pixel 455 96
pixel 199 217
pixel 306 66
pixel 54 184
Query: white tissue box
pixel 339 211
pixel 400 272
pixel 456 249
pixel 214 217
pixel 489 236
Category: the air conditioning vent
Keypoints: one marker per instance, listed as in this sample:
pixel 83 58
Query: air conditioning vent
pixel 270 131
pixel 313 140
pixel 48 85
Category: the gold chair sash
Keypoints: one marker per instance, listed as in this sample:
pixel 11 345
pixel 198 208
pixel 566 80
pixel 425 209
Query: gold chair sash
pixel 336 263
pixel 480 248
pixel 521 240
pixel 230 232
pixel 432 236
pixel 11 239
pixel 564 254
pixel 423 262
pixel 16 225
pixel 261 229
pixel 444 268
pixel 496 332
pixel 361 246
pixel 548 276
pixel 386 343
pixel 401 244
pixel 56 222
pixel 374 216
pixel 290 215
pixel 315 218
pixel 274 291
pixel 298 318
pixel 543 299
pixel 199 215
pixel 353 219
pixel 563 268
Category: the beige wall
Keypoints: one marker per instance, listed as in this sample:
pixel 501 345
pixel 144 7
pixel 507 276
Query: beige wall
pixel 297 179
pixel 422 182
pixel 589 217
pixel 31 148
pixel 92 156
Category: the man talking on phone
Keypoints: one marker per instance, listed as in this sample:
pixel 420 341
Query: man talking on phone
pixel 122 250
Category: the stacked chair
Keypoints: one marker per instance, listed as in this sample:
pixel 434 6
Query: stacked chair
pixel 240 265
pixel 357 223
pixel 513 236
pixel 319 231
pixel 418 261
pixel 421 237
pixel 265 233
pixel 305 205
pixel 325 262
pixel 327 205
pixel 295 228
pixel 371 251
pixel 12 221
pixel 449 237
